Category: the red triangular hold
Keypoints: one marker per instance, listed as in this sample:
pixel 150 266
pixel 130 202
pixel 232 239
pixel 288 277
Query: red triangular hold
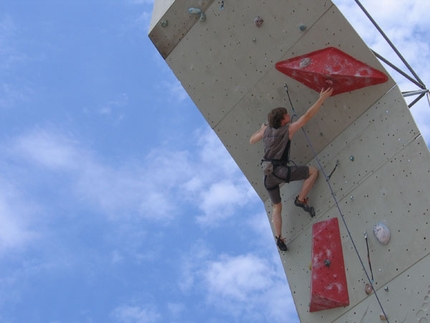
pixel 330 67
pixel 329 288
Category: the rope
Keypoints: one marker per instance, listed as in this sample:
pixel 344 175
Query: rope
pixel 338 207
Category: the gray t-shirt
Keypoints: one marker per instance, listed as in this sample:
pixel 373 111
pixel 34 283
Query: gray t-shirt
pixel 275 141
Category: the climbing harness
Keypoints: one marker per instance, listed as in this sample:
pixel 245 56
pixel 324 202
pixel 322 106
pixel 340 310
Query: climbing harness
pixel 286 180
pixel 338 207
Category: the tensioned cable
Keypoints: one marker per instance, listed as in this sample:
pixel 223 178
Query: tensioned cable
pixel 338 207
pixel 417 81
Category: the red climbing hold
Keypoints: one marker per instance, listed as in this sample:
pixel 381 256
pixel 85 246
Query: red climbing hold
pixel 329 288
pixel 330 67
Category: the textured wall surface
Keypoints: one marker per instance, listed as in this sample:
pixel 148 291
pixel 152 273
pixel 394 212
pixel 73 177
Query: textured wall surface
pixel 226 63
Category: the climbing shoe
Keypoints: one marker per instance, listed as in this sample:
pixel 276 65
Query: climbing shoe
pixel 304 205
pixel 281 244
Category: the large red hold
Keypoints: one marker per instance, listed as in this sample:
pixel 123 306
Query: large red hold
pixel 329 288
pixel 330 67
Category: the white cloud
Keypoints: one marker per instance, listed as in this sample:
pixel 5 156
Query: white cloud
pixel 245 287
pixel 7 35
pixel 10 94
pixel 260 225
pixel 11 91
pixel 407 34
pixel 135 314
pixel 212 151
pixel 163 186
pixel 118 191
pixel 17 226
pixel 421 114
pixel 141 1
pixel 51 150
pixel 223 199
pixel 114 108
pixel 221 191
pixel 116 257
pixel 191 264
pixel 53 153
pixel 176 309
pixel 243 283
pixel 175 90
pixel 143 20
pixel 237 277
pixel 155 188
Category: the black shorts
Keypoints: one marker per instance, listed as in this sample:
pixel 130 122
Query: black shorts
pixel 279 176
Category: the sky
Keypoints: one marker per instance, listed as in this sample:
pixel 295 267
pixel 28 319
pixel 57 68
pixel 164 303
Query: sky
pixel 118 203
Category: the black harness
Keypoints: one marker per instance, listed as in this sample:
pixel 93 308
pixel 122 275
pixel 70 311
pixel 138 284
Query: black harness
pixel 283 161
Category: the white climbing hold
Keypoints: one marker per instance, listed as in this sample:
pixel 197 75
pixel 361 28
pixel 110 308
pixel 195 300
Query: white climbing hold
pixel 382 233
pixel 368 289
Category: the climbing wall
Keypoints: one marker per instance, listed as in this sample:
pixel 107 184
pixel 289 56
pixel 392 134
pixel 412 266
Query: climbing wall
pixel 225 59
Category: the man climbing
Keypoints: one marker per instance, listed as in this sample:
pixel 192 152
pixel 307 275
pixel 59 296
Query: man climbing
pixel 277 137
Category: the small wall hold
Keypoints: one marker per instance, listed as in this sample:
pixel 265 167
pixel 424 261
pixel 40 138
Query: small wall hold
pixel 386 288
pixel 368 289
pixel 164 23
pixel 382 233
pixel 382 317
pixel 258 21
pixel 305 62
pixel 197 11
pixel 302 27
pixel 351 158
pixel 328 83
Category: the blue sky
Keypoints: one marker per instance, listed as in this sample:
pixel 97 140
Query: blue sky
pixel 117 201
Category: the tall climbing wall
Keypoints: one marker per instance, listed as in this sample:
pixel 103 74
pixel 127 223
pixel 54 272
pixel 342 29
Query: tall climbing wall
pixel 224 53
